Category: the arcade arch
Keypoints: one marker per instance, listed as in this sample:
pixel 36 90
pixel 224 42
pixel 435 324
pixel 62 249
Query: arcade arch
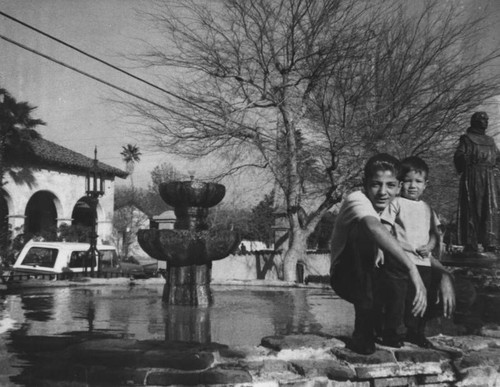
pixel 82 213
pixel 4 218
pixel 41 213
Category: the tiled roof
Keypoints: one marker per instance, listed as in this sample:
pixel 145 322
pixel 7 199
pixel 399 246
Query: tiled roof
pixel 47 153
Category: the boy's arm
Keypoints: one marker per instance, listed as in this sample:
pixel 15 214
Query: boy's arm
pixel 389 244
pixel 427 249
pixel 446 288
pixel 434 237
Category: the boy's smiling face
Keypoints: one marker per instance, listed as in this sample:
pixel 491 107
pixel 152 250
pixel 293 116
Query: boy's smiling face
pixel 381 188
pixel 413 185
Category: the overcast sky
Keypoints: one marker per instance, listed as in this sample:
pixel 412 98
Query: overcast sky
pixel 75 108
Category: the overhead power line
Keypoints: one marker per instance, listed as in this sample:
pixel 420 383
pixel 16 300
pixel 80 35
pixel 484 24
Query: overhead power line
pixel 102 61
pixel 175 112
pixel 86 74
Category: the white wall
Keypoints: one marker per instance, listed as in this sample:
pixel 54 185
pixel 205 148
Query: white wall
pixel 67 189
pixel 244 266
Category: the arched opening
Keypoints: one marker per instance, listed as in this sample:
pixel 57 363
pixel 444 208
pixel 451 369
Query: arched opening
pixel 81 225
pixel 300 272
pixel 41 215
pixel 82 213
pixel 4 221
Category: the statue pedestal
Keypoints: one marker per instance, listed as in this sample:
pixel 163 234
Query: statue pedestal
pixel 471 259
pixel 482 269
pixel 477 287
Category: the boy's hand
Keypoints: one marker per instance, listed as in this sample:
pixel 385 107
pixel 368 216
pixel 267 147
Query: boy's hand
pixel 379 261
pixel 447 294
pixel 420 300
pixel 423 251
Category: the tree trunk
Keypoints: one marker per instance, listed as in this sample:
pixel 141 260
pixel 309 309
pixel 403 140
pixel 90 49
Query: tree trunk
pixel 296 251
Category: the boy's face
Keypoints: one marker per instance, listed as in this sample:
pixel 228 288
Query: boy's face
pixel 381 188
pixel 413 185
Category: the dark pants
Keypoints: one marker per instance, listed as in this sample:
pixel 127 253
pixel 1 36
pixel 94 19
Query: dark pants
pixel 355 279
pixel 396 294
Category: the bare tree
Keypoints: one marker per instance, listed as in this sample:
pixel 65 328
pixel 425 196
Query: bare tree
pixel 308 89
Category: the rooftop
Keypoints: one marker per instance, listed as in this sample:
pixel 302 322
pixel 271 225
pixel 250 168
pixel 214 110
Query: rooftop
pixel 45 153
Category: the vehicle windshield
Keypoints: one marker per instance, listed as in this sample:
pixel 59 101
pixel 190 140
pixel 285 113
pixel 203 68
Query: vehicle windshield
pixel 40 256
pixel 108 258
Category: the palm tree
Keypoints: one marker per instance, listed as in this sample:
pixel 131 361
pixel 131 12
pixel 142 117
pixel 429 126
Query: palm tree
pixel 16 129
pixel 130 155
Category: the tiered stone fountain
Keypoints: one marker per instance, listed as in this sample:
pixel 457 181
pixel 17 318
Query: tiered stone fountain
pixel 190 247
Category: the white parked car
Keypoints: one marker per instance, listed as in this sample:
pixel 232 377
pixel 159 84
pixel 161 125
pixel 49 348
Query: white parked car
pixel 62 257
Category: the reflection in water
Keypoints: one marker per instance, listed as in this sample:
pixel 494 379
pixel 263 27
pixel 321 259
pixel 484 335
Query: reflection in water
pixel 38 307
pixel 239 316
pixel 187 323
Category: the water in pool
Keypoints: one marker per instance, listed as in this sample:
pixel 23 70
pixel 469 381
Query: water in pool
pixel 240 316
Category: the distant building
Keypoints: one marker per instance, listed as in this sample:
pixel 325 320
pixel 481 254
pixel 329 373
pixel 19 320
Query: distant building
pixel 47 189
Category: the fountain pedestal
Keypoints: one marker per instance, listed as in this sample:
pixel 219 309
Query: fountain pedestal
pixel 190 247
pixel 188 285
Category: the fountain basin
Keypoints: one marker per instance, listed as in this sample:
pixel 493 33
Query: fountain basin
pixel 187 247
pixel 192 193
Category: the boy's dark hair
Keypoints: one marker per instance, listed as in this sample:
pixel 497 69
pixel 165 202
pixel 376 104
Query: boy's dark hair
pixel 413 163
pixel 381 162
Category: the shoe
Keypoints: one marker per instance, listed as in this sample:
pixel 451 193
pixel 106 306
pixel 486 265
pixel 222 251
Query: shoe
pixel 363 347
pixel 394 342
pixel 419 340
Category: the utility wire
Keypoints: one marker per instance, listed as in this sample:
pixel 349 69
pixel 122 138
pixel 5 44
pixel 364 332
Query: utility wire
pixel 109 65
pixel 94 77
pixel 103 61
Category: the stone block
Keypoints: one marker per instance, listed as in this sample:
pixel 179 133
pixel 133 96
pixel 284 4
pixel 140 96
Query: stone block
pixel 428 368
pixel 468 343
pixel 479 376
pixel 348 383
pixel 319 382
pixel 419 355
pixel 329 368
pixel 186 361
pixel 274 365
pixel 102 376
pixel 379 357
pixel 278 343
pixel 491 330
pixel 377 371
pixel 446 375
pixel 488 357
pixel 393 382
pixel 208 377
pixel 313 382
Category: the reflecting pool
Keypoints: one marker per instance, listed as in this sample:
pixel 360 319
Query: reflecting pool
pixel 240 316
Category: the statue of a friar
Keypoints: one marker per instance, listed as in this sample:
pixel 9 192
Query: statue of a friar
pixel 476 160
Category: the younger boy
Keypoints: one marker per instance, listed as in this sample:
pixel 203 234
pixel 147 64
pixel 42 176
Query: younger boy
pixel 415 226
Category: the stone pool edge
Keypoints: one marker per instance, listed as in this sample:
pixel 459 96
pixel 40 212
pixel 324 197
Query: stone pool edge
pixel 293 360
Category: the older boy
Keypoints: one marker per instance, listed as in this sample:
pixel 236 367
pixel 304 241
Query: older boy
pixel 358 238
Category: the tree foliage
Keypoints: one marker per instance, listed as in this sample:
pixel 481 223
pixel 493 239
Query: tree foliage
pixel 17 128
pixel 309 89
